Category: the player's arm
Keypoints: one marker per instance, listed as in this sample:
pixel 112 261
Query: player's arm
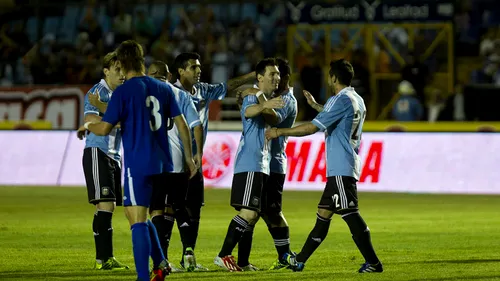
pixel 109 120
pixel 333 111
pixel 185 136
pixel 94 100
pixel 312 102
pixel 272 117
pixel 298 131
pixel 236 82
pixel 252 108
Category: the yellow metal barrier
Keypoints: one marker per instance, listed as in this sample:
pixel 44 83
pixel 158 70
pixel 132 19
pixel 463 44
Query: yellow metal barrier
pixel 382 126
pixel 368 34
pixel 25 125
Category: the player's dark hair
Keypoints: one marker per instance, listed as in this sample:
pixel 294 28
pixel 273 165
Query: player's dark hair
pixel 108 60
pixel 283 67
pixel 131 56
pixel 161 70
pixel 260 68
pixel 343 70
pixel 182 61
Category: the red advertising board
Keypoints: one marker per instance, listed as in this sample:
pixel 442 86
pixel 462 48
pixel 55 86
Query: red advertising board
pixel 60 105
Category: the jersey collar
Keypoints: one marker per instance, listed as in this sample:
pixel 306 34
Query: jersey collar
pixel 103 82
pixel 179 85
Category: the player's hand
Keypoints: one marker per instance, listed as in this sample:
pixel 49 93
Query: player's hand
pixel 94 98
pixel 274 103
pixel 272 133
pixel 198 160
pixel 81 132
pixel 310 99
pixel 192 170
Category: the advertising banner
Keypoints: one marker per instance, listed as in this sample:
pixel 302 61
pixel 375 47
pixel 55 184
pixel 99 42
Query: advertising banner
pixel 62 106
pixel 369 11
pixel 464 163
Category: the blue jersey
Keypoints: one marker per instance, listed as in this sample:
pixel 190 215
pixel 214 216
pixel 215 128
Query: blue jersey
pixel 203 94
pixel 286 116
pixel 253 150
pixel 143 106
pixel 111 143
pixel 408 108
pixel 342 120
pixel 188 109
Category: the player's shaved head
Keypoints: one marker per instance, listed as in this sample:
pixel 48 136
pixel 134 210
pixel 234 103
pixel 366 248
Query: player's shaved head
pixel 131 56
pixel 159 70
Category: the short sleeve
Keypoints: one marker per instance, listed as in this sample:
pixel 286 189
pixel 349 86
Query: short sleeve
pixel 115 109
pixel 88 108
pixel 172 105
pixel 333 111
pixel 248 101
pixel 190 112
pixel 212 91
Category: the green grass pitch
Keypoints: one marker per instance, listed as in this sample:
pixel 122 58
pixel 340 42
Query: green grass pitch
pixel 45 234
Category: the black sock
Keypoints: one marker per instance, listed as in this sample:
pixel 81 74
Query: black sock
pixel 97 239
pixel 184 226
pixel 164 225
pixel 281 236
pixel 105 231
pixel 245 246
pixel 194 215
pixel 361 236
pixel 317 235
pixel 234 232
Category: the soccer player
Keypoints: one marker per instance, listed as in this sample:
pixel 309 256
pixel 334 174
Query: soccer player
pixel 251 168
pixel 187 77
pixel 342 120
pixel 102 167
pixel 271 211
pixel 175 196
pixel 143 105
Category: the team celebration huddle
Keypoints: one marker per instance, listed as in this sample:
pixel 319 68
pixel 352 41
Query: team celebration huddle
pixel 161 116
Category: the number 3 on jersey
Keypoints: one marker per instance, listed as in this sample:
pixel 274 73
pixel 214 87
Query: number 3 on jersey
pixel 155 121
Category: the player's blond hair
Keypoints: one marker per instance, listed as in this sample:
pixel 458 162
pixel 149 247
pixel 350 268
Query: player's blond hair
pixel 109 59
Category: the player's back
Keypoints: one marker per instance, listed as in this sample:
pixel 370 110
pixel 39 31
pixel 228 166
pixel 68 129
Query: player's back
pixel 145 105
pixel 253 150
pixel 343 137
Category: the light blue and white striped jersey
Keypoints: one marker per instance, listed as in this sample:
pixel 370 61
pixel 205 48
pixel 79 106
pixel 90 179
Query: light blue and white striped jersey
pixel 188 109
pixel 253 150
pixel 287 116
pixel 342 120
pixel 205 93
pixel 111 143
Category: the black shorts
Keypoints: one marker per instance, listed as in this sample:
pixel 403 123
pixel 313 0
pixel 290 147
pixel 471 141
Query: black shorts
pixel 247 190
pixel 168 189
pixel 196 191
pixel 103 176
pixel 340 195
pixel 272 195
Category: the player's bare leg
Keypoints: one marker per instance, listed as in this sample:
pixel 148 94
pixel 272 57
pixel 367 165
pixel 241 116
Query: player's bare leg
pixel 235 231
pixel 103 237
pixel 145 242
